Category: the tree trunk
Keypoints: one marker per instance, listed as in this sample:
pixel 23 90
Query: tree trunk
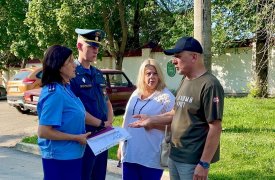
pixel 136 25
pixel 261 64
pixel 119 61
pixel 116 48
pixel 202 28
pixel 262 49
pixel 124 27
pixel 24 63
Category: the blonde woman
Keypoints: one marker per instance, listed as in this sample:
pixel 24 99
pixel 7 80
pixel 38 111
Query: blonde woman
pixel 140 155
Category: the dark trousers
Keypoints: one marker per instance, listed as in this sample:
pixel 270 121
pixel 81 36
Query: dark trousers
pixel 94 167
pixel 133 171
pixel 62 169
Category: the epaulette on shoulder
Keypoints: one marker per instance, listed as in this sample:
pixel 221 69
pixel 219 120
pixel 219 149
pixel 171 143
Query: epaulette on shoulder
pixel 52 87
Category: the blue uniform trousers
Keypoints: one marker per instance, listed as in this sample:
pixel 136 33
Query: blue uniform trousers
pixel 94 167
pixel 62 169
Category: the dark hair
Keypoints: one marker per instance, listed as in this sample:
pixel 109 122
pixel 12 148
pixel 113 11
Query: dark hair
pixel 54 58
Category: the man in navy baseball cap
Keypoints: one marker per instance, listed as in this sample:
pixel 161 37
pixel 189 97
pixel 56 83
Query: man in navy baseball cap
pixel 185 44
pixel 93 37
pixel 196 121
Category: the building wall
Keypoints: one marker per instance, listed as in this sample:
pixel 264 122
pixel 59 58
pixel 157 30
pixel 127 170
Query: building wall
pixel 131 66
pixel 234 69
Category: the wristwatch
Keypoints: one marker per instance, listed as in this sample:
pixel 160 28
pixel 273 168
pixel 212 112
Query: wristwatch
pixel 102 124
pixel 205 165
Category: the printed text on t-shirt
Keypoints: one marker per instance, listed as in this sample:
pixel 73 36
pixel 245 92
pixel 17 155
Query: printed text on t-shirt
pixel 181 100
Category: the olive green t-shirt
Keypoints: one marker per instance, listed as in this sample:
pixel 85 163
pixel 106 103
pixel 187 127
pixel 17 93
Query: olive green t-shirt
pixel 198 102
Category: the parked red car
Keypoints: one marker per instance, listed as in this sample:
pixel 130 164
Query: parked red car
pixel 119 89
pixel 31 98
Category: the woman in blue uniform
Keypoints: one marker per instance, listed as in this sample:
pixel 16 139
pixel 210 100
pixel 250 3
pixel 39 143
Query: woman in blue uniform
pixel 61 130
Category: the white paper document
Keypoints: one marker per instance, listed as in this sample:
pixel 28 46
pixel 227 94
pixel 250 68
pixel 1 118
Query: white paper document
pixel 107 139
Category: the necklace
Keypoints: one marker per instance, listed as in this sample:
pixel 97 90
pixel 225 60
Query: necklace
pixel 141 107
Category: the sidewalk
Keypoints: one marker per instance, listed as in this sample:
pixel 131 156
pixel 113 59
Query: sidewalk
pixel 111 166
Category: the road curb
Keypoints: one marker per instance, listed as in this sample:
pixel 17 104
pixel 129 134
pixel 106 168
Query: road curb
pixel 26 147
pixel 111 166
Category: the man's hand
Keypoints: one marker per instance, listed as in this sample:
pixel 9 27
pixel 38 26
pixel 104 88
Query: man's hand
pixel 200 173
pixel 143 121
pixel 109 123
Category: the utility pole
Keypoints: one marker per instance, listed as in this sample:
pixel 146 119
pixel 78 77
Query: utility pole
pixel 202 28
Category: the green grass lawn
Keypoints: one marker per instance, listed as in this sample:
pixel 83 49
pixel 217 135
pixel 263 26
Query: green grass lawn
pixel 247 141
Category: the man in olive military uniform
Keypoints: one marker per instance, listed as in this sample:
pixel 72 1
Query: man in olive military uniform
pixel 196 121
pixel 89 85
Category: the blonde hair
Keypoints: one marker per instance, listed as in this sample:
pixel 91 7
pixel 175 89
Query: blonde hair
pixel 141 74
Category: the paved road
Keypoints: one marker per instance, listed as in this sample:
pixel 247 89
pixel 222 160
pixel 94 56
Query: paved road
pixel 17 165
pixel 14 125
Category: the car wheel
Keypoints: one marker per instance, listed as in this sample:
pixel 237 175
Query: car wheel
pixel 22 110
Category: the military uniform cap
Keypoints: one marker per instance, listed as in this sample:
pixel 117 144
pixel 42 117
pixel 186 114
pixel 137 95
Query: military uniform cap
pixel 93 37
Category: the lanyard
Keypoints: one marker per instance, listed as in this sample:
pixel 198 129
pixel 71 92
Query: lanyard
pixel 141 107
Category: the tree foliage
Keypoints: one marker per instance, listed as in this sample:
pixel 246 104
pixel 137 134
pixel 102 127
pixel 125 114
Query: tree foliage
pixel 16 44
pixel 232 21
pixel 241 20
pixel 128 24
pixel 54 22
pixel 28 27
pixel 264 42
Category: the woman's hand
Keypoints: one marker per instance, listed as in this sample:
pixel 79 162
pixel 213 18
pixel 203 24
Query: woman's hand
pixel 82 138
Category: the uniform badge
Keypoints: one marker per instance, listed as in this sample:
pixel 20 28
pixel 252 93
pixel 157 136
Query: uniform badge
pixel 97 34
pixel 84 80
pixel 51 88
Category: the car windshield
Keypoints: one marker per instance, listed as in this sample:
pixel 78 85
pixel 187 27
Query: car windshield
pixel 117 80
pixel 20 75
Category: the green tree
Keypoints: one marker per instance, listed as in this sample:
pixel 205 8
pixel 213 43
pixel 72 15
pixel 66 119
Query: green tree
pixel 231 20
pixel 264 35
pixel 41 19
pixel 128 24
pixel 16 45
pixel 176 21
pixel 240 20
pixel 53 22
